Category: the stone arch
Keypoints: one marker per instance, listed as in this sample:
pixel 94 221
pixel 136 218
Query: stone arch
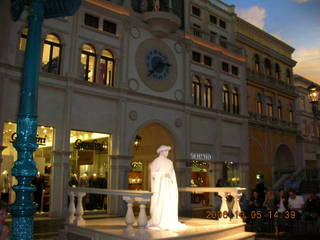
pixel 283 161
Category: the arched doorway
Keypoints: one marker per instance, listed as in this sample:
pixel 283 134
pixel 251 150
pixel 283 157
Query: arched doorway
pixel 144 146
pixel 283 161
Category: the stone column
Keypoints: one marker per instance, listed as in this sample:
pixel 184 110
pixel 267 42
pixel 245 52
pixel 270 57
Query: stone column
pixel 59 183
pixel 120 166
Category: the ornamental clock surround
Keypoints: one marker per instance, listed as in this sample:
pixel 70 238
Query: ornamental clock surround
pixel 156 65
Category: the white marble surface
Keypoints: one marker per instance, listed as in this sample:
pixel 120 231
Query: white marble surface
pixel 115 228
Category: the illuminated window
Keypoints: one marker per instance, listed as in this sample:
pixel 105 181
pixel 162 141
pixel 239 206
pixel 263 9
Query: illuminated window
pixel 106 75
pixel 279 110
pixel 289 79
pixel 207 94
pixel 267 66
pixel 278 76
pixel 196 90
pixel 51 55
pixel 225 98
pixel 88 61
pixel 257 62
pixel 269 107
pixel 23 39
pixel 235 101
pixel 290 113
pixel 259 104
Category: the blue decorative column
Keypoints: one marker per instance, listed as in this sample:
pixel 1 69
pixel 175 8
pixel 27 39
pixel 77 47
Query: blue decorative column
pixel 25 168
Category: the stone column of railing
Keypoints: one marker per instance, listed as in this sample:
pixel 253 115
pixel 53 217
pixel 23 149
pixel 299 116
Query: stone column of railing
pixel 237 214
pixel 130 196
pixel 224 210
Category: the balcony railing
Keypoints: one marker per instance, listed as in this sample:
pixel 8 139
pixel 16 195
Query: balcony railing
pixel 270 81
pixel 213 39
pixel 272 121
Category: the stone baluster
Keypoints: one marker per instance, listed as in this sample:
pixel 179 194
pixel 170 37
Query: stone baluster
pixel 79 219
pixel 71 209
pixel 130 219
pixel 142 218
pixel 236 208
pixel 224 218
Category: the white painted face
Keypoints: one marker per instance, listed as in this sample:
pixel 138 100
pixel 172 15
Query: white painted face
pixel 164 153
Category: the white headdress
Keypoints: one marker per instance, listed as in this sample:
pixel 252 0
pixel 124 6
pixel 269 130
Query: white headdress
pixel 163 148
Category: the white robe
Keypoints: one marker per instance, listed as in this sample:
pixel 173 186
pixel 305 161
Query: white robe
pixel 164 202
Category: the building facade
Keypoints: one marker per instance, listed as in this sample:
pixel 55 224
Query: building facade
pixel 119 79
pixel 271 104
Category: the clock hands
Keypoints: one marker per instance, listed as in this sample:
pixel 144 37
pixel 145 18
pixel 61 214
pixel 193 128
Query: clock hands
pixel 159 65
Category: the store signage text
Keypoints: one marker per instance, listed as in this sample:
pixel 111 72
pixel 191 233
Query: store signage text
pixel 86 145
pixel 201 156
pixel 40 140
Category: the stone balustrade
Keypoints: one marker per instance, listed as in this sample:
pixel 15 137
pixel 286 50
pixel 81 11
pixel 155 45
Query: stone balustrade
pixel 143 197
pixel 130 196
pixel 223 192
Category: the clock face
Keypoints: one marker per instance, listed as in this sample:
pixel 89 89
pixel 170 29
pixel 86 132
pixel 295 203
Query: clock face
pixel 156 65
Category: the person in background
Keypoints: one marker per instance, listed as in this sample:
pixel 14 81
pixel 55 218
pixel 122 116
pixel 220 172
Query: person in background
pixel 261 189
pixel 281 202
pixel 312 207
pixel 4 229
pixel 295 203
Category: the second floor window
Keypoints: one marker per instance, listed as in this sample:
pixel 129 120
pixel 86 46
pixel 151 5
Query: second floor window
pixel 225 67
pixel 289 80
pixel 207 94
pixel 23 39
pixel 196 11
pixel 51 54
pixel 106 71
pixel 88 61
pixel 91 21
pixel 290 113
pixel 207 60
pixel 109 27
pixel 235 101
pixel 279 110
pixel 196 57
pixel 196 90
pixel 257 62
pixel 225 98
pixel 278 76
pixel 269 107
pixel 267 66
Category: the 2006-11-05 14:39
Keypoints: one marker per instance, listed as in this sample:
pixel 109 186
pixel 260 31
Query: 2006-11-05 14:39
pixel 253 214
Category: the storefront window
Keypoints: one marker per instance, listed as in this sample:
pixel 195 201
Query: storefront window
pixel 42 156
pixel 90 164
pixel 200 178
pixel 231 174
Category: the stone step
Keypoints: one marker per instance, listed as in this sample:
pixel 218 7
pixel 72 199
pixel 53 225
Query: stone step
pixel 240 236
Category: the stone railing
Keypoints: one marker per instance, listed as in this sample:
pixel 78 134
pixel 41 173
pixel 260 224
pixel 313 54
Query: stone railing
pixel 130 196
pixel 213 38
pixel 223 192
pixel 273 121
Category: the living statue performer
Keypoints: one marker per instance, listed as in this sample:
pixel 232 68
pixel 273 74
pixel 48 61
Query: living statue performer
pixel 164 201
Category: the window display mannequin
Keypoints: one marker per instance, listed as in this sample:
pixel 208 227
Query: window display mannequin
pixel 164 201
pixel 39 183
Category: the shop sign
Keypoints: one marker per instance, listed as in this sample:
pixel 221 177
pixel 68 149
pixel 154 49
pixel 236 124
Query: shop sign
pixel 201 156
pixel 90 145
pixel 40 140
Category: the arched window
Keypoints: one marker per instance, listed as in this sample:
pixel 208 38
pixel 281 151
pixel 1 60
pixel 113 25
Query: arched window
pixel 269 107
pixel 257 62
pixel 23 39
pixel 279 110
pixel 207 94
pixel 51 54
pixel 88 61
pixel 289 79
pixel 235 101
pixel 196 90
pixel 278 76
pixel 106 75
pixel 225 98
pixel 259 104
pixel 290 113
pixel 267 66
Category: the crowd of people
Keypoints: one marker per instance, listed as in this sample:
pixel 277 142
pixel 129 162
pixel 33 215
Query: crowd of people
pixel 282 209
